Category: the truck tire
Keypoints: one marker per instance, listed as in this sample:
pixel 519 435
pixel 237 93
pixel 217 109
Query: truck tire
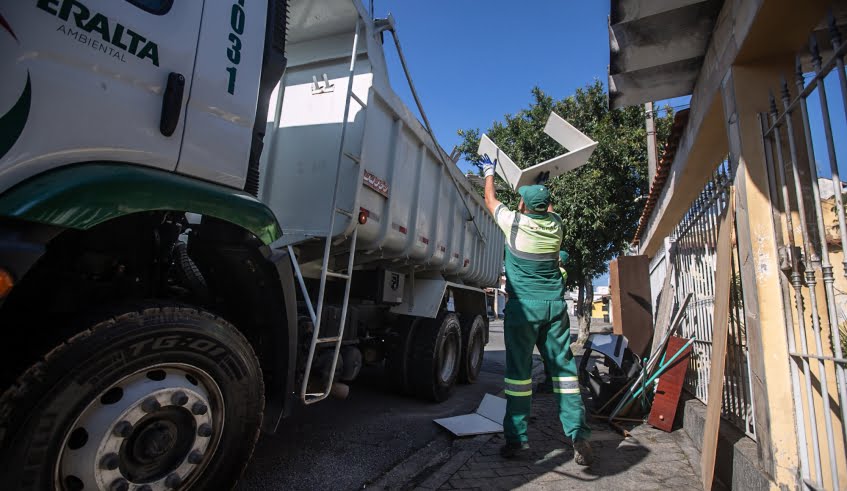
pixel 435 357
pixel 160 397
pixel 473 342
pixel 397 358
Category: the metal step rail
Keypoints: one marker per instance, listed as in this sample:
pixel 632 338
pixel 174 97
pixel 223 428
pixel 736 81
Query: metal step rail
pixel 316 313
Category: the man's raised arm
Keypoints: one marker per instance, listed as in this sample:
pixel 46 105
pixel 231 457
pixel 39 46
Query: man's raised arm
pixel 490 195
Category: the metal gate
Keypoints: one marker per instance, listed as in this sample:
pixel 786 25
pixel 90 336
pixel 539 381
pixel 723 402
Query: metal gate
pixel 693 255
pixel 808 205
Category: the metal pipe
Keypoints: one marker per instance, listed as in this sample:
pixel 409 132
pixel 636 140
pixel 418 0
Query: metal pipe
pixel 631 397
pixel 811 282
pixel 797 283
pixel 826 266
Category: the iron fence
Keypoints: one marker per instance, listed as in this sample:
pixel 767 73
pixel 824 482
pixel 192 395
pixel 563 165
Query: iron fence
pixel 693 255
pixel 811 233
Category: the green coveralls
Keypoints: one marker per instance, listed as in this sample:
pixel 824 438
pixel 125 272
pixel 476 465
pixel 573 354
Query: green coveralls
pixel 536 315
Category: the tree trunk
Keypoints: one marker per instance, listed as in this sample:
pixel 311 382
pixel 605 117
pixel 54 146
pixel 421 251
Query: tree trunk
pixel 584 306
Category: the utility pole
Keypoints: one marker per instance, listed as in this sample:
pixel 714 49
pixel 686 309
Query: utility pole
pixel 651 143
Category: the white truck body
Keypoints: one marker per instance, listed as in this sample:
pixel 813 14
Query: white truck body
pixel 421 210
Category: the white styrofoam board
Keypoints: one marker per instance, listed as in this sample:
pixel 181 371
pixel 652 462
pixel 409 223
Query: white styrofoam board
pixel 556 166
pixel 506 169
pixel 565 134
pixel 581 147
pixel 488 418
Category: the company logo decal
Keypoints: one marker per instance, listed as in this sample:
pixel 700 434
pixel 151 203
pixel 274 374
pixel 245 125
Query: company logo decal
pixel 13 122
pixel 115 39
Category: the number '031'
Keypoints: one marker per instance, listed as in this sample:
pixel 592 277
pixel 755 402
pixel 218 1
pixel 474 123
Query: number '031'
pixel 233 52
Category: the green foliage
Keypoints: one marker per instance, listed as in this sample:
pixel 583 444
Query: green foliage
pixel 600 203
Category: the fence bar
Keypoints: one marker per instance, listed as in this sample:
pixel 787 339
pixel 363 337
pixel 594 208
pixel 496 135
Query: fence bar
pixel 792 365
pixel 835 35
pixel 797 283
pixel 695 241
pixel 812 260
pixel 826 266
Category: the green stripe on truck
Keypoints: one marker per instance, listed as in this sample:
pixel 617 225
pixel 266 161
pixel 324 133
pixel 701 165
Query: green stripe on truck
pixel 83 196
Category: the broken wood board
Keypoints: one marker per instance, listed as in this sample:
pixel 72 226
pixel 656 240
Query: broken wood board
pixel 720 321
pixel 632 313
pixel 665 300
pixel 666 400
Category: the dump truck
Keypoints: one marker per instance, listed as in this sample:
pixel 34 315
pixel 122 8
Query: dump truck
pixel 212 212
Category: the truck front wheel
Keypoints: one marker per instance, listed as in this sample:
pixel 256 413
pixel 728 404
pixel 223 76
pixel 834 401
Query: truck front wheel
pixel 163 397
pixel 435 357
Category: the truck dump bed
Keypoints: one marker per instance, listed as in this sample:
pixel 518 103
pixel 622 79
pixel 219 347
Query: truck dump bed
pixel 422 213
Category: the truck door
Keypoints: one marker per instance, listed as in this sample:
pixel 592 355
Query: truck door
pixel 224 95
pixel 96 73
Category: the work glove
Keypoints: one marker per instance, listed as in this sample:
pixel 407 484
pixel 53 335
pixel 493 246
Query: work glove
pixel 487 166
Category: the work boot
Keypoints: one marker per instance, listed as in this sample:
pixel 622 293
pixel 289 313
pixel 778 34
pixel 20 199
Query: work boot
pixel 515 450
pixel 583 453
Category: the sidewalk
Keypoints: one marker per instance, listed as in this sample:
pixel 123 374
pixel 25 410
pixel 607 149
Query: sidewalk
pixel 649 459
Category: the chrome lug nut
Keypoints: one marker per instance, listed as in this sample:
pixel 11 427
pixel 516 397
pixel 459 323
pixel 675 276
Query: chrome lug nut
pixel 179 398
pixel 195 457
pixel 110 461
pixel 204 430
pixel 150 405
pixel 119 484
pixel 173 481
pixel 122 429
pixel 199 408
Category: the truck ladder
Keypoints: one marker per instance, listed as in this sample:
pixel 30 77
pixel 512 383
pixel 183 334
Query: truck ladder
pixel 316 313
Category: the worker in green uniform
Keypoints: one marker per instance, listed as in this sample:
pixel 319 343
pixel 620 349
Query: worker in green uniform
pixel 535 315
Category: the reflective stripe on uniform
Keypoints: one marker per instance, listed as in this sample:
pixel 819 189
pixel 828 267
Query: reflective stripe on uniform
pixel 533 256
pixel 565 385
pixel 519 388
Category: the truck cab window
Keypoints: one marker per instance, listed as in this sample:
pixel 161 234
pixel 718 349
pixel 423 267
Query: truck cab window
pixel 156 7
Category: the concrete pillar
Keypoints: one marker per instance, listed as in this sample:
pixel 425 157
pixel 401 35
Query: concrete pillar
pixel 744 92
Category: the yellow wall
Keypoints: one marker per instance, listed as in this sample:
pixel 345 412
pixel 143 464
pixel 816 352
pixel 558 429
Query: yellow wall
pixel 599 309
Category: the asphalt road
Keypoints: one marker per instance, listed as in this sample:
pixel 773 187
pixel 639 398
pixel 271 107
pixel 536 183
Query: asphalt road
pixel 342 445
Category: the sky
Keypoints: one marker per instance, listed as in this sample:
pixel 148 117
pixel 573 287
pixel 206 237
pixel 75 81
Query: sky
pixel 472 62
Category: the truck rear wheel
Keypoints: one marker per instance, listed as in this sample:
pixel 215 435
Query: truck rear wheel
pixel 435 357
pixel 397 358
pixel 163 397
pixel 473 341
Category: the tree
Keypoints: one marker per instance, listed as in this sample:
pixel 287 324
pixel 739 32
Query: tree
pixel 601 202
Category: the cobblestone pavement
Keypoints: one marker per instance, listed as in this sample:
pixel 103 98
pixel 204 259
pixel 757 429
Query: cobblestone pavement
pixel 649 459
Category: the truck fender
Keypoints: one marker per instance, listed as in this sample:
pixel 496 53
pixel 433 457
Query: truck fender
pixel 281 401
pixel 83 196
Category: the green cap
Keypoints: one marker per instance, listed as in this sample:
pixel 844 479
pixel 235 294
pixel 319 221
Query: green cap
pixel 536 197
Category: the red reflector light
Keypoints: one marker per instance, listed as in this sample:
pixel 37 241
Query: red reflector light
pixel 363 216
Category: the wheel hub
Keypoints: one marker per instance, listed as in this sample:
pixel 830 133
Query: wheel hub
pixel 153 430
pixel 449 353
pixel 158 445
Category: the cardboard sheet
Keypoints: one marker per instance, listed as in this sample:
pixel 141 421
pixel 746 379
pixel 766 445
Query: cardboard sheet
pixel 488 418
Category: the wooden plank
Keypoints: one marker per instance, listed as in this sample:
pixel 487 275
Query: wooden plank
pixel 670 386
pixel 720 321
pixel 632 316
pixel 666 300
